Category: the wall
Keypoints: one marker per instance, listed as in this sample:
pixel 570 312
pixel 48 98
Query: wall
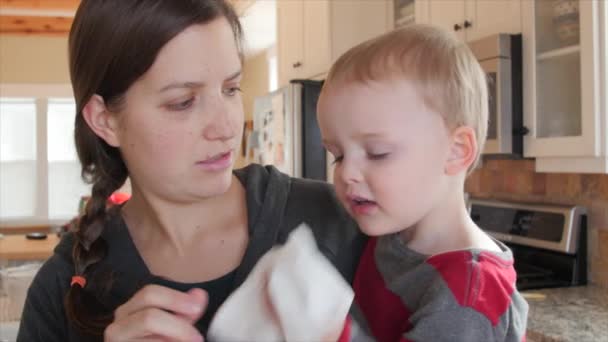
pixel 44 60
pixel 516 180
pixel 255 83
pixel 34 60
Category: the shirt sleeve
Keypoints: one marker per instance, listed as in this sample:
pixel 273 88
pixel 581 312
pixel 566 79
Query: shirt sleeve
pixel 458 325
pixel 462 325
pixel 43 317
pixel 353 332
pixel 444 319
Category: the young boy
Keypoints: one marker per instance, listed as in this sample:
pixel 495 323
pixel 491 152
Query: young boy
pixel 405 116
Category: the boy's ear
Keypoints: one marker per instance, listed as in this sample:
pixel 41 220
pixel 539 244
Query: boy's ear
pixel 463 150
pixel 101 120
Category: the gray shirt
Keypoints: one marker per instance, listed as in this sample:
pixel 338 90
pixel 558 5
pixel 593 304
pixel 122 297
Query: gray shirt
pixel 276 204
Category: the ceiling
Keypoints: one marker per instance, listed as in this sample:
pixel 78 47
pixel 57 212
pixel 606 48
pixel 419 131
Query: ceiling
pixel 54 18
pixel 259 22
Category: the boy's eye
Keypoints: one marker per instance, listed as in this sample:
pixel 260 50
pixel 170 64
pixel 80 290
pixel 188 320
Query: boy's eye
pixel 337 159
pixel 377 156
pixel 232 91
pixel 181 105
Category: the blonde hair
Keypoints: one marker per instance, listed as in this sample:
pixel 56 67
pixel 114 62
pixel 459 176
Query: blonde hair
pixel 443 69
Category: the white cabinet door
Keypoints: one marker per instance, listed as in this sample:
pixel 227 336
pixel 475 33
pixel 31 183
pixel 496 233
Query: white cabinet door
pixel 604 80
pixel 290 39
pixel 475 19
pixel 313 33
pixel 355 21
pixel 487 17
pixel 562 80
pixel 317 51
pixel 448 14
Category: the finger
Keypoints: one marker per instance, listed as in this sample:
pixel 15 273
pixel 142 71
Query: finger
pixel 197 296
pixel 156 296
pixel 152 324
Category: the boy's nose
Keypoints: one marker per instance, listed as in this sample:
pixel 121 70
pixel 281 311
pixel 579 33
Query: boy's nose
pixel 350 174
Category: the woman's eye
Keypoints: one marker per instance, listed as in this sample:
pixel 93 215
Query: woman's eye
pixel 181 105
pixel 232 91
pixel 377 156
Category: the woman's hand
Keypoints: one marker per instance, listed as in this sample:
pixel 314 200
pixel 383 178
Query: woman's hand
pixel 158 313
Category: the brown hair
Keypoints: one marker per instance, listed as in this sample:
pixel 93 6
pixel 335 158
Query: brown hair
pixel 113 43
pixel 443 68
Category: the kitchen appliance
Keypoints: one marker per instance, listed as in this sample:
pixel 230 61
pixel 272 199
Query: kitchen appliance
pixel 549 242
pixel 286 133
pixel 500 57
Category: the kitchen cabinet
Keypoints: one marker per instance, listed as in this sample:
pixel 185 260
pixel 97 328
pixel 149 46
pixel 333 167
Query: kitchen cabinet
pixel 565 67
pixel 312 34
pixel 473 19
pixel 448 14
pixel 406 12
pixel 303 38
pixel 355 21
pixel 290 35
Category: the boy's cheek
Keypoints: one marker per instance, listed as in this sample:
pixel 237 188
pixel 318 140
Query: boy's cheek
pixel 340 191
pixel 339 186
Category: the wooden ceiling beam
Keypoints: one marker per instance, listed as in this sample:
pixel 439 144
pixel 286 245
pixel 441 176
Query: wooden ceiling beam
pixel 47 26
pixel 37 17
pixel 40 4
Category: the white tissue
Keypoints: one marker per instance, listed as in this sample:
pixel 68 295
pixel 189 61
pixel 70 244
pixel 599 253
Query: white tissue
pixel 309 296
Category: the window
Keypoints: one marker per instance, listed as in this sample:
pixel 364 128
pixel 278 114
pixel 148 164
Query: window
pixel 39 169
pixel 65 186
pixel 17 158
pixel 273 73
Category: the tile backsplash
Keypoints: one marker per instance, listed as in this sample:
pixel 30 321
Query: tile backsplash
pixel 516 180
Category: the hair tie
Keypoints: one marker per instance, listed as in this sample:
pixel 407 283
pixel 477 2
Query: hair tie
pixel 80 280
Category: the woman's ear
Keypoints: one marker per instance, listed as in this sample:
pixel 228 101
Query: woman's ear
pixel 101 120
pixel 463 150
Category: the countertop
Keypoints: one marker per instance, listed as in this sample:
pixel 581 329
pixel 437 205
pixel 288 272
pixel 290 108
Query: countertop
pixel 577 314
pixel 18 247
pixel 24 229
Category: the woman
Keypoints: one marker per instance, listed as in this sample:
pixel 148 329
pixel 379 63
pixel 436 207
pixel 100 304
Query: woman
pixel 156 84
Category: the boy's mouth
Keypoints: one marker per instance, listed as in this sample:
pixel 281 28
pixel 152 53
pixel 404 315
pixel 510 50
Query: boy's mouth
pixel 361 205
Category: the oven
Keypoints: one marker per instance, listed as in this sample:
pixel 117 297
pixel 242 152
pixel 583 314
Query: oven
pixel 549 242
pixel 500 57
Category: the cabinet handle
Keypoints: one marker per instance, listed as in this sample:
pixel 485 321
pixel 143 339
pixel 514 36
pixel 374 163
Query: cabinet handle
pixel 457 27
pixel 297 64
pixel 467 24
pixel 523 130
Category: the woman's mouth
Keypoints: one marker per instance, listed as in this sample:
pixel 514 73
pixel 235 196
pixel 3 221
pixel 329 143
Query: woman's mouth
pixel 218 162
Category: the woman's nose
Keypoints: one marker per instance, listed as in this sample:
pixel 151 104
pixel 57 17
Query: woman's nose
pixel 223 124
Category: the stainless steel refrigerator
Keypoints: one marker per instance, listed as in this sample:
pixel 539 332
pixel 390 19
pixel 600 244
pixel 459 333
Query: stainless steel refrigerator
pixel 285 131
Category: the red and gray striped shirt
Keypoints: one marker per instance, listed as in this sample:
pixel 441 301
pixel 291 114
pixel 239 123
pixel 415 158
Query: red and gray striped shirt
pixel 466 295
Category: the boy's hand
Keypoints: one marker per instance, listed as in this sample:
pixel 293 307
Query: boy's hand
pixel 340 335
pixel 333 336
